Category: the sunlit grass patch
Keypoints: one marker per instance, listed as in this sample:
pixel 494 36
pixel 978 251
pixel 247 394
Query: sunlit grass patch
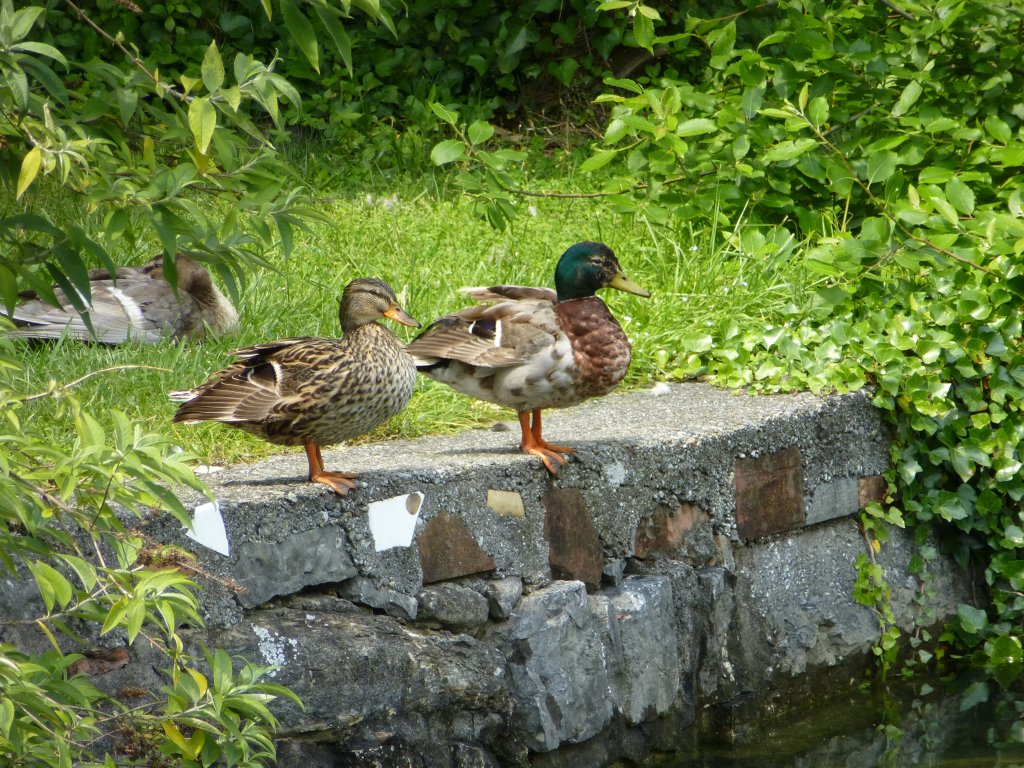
pixel 427 247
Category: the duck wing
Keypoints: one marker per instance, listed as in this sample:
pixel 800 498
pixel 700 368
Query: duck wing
pixel 136 308
pixel 503 333
pixel 268 381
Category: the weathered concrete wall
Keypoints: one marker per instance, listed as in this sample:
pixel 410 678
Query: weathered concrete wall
pixel 462 608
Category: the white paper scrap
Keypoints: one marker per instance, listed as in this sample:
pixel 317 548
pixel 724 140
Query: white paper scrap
pixel 393 521
pixel 208 528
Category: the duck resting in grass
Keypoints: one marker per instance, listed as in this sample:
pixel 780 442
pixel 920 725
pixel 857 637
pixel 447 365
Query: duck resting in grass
pixel 533 348
pixel 135 304
pixel 315 392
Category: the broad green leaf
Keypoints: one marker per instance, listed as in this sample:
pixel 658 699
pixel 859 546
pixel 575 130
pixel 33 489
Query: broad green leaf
pixel 944 207
pixel 911 93
pixel 881 165
pixel 41 49
pixel 753 97
pixel 22 21
pixel 696 126
pixel 998 129
pixel 175 736
pixel 789 149
pixel 444 113
pixel 340 38
pixel 213 69
pixel 46 590
pixel 57 588
pixel 479 132
pixel 136 614
pixel 17 81
pixel 627 85
pixel 30 166
pixel 973 620
pixel 599 159
pixel 6 716
pixel 85 571
pixel 447 151
pixel 200 680
pixel 649 12
pixel 960 196
pixel 115 615
pixel 817 111
pixel 301 31
pixel 202 120
pixel 221 670
pixel 643 31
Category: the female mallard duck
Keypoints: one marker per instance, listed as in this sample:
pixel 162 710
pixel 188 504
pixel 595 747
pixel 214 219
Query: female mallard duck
pixel 534 348
pixel 135 304
pixel 315 392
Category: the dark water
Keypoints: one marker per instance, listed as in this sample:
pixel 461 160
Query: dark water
pixel 895 726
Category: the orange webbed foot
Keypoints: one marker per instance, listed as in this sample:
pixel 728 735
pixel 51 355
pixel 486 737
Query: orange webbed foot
pixel 340 482
pixel 534 445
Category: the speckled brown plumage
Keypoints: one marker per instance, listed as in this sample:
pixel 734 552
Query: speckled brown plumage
pixel 312 391
pixel 137 304
pixel 534 348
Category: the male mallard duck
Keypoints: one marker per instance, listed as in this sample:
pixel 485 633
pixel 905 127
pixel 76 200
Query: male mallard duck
pixel 136 304
pixel 314 392
pixel 534 348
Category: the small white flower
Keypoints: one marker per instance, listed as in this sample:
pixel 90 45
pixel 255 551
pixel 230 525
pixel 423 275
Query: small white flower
pixel 532 210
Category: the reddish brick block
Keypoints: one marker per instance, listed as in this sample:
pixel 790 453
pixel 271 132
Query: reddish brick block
pixel 448 550
pixel 769 494
pixel 574 549
pixel 669 529
pixel 873 488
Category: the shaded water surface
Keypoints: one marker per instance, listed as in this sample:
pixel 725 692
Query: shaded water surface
pixel 902 728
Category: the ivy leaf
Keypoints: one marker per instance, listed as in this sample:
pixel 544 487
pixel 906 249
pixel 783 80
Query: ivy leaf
pixel 1004 659
pixel 973 620
pixel 976 693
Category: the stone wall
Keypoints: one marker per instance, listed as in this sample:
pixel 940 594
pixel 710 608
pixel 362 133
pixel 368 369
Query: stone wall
pixel 463 608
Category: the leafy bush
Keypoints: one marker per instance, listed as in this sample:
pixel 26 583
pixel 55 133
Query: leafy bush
pixel 66 517
pixel 887 138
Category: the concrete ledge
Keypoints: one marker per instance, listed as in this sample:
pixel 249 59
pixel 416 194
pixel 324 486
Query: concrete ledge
pixel 461 607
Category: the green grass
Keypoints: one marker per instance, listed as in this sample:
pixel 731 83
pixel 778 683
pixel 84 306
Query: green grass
pixel 427 244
